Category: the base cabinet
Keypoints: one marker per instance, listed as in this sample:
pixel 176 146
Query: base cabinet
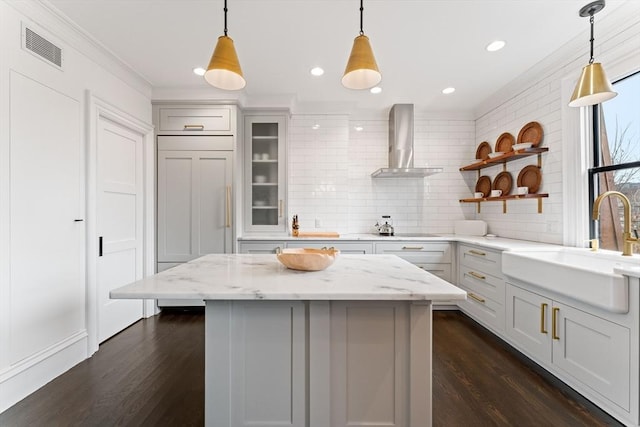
pixel 318 363
pixel 575 344
pixel 480 274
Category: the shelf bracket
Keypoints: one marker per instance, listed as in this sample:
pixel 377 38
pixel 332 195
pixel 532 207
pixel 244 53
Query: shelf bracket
pixel 540 205
pixel 478 210
pixel 540 160
pixel 504 206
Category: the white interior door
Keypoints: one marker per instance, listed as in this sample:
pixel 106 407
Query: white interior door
pixel 119 223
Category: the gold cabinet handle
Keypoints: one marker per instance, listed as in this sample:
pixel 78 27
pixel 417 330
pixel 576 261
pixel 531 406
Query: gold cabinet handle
pixel 543 312
pixel 280 208
pixel 477 276
pixel 554 323
pixel 228 207
pixel 193 127
pixel 474 252
pixel 476 297
pixel 412 248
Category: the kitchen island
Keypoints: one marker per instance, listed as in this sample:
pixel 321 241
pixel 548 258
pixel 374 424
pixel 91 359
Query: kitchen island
pixel 344 346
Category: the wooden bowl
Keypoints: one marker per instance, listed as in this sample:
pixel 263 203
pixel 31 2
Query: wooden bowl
pixel 307 259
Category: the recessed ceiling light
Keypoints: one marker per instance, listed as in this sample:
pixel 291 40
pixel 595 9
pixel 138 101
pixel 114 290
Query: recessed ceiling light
pixel 448 90
pixel 376 89
pixel 315 127
pixel 317 71
pixel 199 71
pixel 496 45
pixel 358 128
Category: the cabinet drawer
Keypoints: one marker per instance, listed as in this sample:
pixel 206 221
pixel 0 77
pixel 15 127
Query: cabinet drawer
pixel 481 259
pixel 195 119
pixel 259 247
pixel 418 252
pixel 345 248
pixel 482 283
pixel 483 309
pixel 443 271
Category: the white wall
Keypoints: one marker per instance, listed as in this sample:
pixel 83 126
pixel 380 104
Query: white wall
pixel 39 341
pixel 537 96
pixel 330 170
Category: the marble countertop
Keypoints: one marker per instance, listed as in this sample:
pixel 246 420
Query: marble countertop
pixel 498 243
pixel 251 277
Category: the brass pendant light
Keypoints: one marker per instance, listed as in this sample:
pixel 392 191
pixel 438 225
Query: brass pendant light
pixel 362 70
pixel 224 70
pixel 593 86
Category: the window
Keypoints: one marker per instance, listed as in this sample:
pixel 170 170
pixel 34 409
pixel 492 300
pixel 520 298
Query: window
pixel 616 162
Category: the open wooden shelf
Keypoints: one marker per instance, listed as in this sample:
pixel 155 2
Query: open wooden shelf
pixel 505 158
pixel 504 200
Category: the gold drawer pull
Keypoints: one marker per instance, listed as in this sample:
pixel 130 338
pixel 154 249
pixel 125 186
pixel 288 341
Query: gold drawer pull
pixel 480 253
pixel 543 312
pixel 412 248
pixel 477 276
pixel 476 297
pixel 193 127
pixel 554 323
pixel 228 207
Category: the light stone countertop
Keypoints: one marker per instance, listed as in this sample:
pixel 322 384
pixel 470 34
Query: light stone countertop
pixel 262 277
pixel 498 243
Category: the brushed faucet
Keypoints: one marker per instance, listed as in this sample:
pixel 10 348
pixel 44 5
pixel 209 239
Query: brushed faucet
pixel 628 241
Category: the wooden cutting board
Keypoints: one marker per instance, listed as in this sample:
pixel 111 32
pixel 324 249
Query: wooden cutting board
pixel 318 234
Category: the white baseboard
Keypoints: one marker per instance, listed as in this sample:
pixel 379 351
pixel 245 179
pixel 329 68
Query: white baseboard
pixel 22 379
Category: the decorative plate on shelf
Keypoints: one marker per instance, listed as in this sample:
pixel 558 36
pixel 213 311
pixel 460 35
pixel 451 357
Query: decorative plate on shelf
pixel 484 185
pixel 530 176
pixel 505 142
pixel 483 151
pixel 531 132
pixel 503 181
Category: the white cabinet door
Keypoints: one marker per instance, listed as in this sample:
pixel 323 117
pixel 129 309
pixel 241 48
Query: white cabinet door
pixel 265 173
pixel 528 322
pixel 255 364
pixel 202 120
pixel 593 350
pixel 194 204
pixel 369 374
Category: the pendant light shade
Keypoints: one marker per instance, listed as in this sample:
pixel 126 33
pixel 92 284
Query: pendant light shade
pixel 593 86
pixel 362 70
pixel 224 70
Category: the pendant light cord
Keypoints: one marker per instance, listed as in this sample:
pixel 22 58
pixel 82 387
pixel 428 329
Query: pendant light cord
pixel 361 13
pixel 591 40
pixel 225 19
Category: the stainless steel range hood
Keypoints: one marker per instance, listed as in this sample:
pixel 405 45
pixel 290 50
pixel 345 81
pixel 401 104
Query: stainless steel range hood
pixel 401 146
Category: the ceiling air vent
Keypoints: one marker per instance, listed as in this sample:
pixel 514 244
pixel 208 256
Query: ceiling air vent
pixel 42 47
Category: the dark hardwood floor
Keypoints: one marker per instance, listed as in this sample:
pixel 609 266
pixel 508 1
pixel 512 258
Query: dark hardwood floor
pixel 152 374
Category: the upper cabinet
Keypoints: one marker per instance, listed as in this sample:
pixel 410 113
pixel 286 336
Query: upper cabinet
pixel 265 173
pixel 195 119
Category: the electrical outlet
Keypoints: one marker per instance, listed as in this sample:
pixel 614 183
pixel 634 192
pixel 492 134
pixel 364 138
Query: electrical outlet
pixel 318 223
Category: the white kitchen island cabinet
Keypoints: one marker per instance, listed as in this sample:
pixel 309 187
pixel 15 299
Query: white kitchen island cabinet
pixel 349 345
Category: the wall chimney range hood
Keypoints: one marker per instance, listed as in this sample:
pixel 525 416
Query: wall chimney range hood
pixel 401 146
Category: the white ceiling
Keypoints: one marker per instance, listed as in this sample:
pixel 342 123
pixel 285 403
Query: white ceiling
pixel 422 46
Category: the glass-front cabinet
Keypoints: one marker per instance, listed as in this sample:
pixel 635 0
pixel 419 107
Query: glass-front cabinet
pixel 265 178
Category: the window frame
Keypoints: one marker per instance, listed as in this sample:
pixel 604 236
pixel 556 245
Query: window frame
pixel 595 168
